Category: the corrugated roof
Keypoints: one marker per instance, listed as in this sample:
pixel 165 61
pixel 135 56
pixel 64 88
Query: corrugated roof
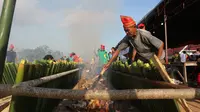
pixel 150 12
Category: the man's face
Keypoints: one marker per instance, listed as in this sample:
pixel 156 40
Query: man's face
pixel 112 50
pixel 130 30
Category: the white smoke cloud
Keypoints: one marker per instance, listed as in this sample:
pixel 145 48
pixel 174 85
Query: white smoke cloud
pixel 86 23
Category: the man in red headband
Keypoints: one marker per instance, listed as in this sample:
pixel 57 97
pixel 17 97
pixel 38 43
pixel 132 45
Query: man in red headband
pixel 141 26
pixel 11 55
pixel 145 44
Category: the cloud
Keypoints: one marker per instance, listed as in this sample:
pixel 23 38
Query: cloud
pixel 28 12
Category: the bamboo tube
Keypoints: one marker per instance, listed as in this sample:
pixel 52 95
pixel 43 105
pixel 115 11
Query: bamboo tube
pixel 100 94
pixel 5 26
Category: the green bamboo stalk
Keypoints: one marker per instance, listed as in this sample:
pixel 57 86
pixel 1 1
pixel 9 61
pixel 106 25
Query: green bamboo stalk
pixel 7 74
pixel 28 102
pixel 5 27
pixel 12 67
pixel 45 101
pixel 10 73
pixel 38 71
pixel 19 78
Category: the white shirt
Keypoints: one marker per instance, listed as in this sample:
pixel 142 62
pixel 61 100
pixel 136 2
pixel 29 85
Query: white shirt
pixel 121 54
pixel 183 57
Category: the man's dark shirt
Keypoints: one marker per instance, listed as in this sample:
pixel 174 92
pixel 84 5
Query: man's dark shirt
pixel 11 56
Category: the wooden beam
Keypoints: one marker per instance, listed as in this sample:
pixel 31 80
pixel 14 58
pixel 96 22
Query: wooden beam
pixel 130 94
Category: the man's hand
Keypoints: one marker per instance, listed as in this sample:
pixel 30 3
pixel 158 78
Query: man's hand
pixel 106 66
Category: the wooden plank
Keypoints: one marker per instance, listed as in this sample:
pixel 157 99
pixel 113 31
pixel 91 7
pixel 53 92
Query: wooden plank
pixel 194 105
pixel 185 72
pixel 188 63
pixel 191 63
pixel 6 109
pixel 166 77
pixel 161 69
pixel 5 99
pixel 4 103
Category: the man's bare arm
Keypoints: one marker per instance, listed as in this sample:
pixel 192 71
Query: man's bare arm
pixel 134 54
pixel 114 57
pixel 160 50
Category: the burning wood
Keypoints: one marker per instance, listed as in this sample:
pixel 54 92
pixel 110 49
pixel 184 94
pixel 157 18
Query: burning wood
pixel 100 105
pixel 93 105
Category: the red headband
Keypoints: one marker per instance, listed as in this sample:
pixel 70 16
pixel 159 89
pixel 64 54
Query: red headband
pixel 141 25
pixel 127 20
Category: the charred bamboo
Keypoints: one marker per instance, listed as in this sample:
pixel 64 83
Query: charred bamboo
pixel 100 94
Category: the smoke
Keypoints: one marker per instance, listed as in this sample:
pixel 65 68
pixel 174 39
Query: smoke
pixel 87 23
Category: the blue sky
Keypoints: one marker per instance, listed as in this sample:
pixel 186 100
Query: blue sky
pixel 73 25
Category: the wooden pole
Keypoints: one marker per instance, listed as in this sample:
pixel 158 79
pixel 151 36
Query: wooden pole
pixel 165 23
pixel 100 94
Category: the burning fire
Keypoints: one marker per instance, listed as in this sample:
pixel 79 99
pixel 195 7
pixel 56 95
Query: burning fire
pixel 101 105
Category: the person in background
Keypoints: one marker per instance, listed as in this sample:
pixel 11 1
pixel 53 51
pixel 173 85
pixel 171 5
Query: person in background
pixel 113 49
pixel 145 44
pixel 176 57
pixel 197 54
pixel 123 55
pixel 75 58
pixel 64 58
pixel 110 55
pixel 68 59
pixel 141 26
pixel 11 55
pixel 71 56
pixel 80 59
pixel 48 57
pixel 103 58
pixel 183 57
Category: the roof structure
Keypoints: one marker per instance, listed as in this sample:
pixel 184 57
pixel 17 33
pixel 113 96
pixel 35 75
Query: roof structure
pixel 182 22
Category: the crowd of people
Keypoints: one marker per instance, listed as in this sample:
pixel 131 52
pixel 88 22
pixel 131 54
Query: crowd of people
pixel 184 57
pixel 11 56
pixel 73 57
